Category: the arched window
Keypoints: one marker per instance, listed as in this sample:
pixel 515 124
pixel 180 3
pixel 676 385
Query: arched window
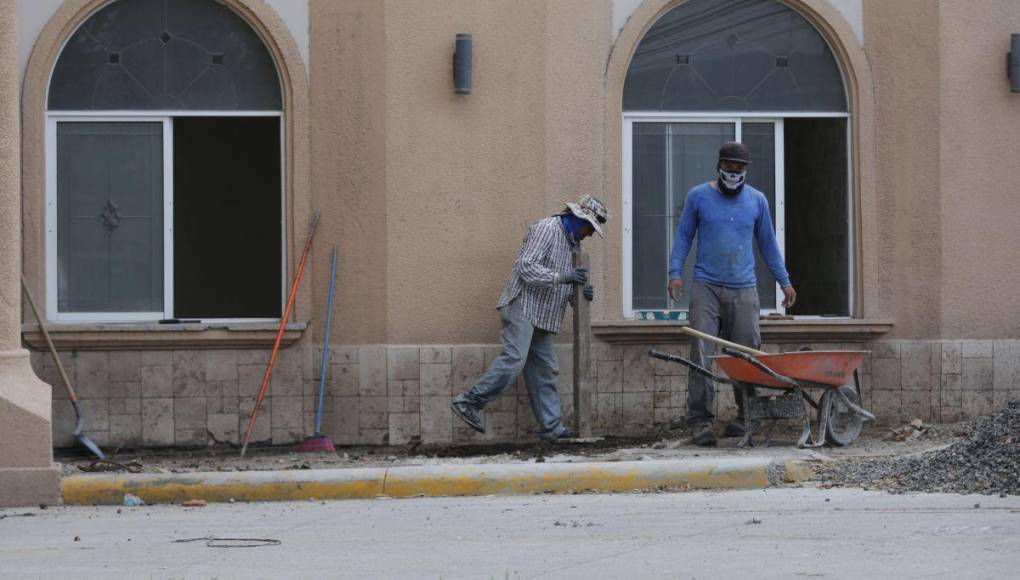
pixel 755 71
pixel 164 167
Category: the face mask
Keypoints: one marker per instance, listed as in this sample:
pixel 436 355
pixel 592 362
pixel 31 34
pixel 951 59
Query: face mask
pixel 731 183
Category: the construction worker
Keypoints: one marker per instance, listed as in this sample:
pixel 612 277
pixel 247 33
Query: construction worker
pixel 531 308
pixel 729 218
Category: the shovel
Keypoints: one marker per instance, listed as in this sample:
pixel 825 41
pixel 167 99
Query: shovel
pixel 80 424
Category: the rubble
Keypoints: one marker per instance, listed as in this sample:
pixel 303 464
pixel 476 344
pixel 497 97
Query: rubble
pixel 987 461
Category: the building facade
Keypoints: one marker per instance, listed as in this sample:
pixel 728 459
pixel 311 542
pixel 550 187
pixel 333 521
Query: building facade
pixel 162 160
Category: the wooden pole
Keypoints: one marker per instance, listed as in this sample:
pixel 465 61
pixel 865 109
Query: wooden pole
pixel 582 356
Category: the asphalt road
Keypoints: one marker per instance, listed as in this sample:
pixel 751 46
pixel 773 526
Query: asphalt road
pixel 776 533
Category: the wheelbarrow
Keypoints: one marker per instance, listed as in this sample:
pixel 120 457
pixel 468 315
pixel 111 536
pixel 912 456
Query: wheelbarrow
pixel 785 386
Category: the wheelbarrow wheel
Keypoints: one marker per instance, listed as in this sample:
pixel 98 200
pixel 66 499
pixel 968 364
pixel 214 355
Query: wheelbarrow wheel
pixel 844 426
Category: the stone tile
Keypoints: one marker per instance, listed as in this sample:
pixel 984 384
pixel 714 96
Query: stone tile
pixel 885 349
pixel 976 404
pixel 866 363
pixel 601 351
pixel 157 381
pixel 253 357
pixel 117 406
pixel 309 368
pixel 158 422
pixel 412 404
pixel 288 422
pixel 917 405
pixel 402 363
pixel 224 427
pixel 662 399
pixel 490 353
pixel 607 410
pixel 527 425
pixel 249 379
pixel 978 374
pixel 344 355
pixel 189 413
pixel 93 375
pixel 375 436
pixel 97 413
pixel 663 384
pixel 435 380
pixel 395 404
pixel 373 413
pixel 887 406
pixel 395 388
pixel 468 364
pixel 978 349
pixel 935 404
pixel 412 389
pixel 1006 366
pixel 124 365
pixel 345 380
pixel 436 354
pixel 678 383
pixel 213 405
pixel 404 428
pixel 436 420
pixel 610 377
pixel 565 361
pixel 952 358
pixel 221 365
pixel 372 371
pixel 463 434
pixel 999 400
pixel 638 372
pixel 126 430
pixel 663 416
pixel 189 373
pixel 886 374
pixel 951 414
pixel 949 397
pixel 148 358
pixel 500 425
pixel 678 399
pixel 231 404
pixel 915 365
pixel 287 379
pixel 263 429
pixel 936 360
pixel 345 430
pixel 191 437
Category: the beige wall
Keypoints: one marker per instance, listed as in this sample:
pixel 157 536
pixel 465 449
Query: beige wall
pixel 428 193
pixel 979 158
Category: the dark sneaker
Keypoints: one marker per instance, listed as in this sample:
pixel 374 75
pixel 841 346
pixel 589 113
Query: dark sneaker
pixel 470 414
pixel 735 429
pixel 704 436
pixel 564 434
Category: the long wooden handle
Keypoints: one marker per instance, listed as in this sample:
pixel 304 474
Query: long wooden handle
pixel 49 342
pixel 738 347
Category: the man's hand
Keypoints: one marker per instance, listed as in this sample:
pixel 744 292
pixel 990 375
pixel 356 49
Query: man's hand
pixel 676 288
pixel 577 276
pixel 789 297
pixel 589 292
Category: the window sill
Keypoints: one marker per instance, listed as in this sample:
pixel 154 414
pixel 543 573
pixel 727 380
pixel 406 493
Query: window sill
pixel 152 336
pixel 807 329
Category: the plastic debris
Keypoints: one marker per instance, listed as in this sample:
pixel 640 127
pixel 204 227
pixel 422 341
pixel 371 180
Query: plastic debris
pixel 133 500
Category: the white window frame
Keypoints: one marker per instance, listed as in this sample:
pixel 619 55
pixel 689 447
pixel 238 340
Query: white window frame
pixel 737 118
pixel 166 118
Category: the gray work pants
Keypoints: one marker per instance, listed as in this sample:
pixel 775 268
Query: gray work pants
pixel 529 350
pixel 730 314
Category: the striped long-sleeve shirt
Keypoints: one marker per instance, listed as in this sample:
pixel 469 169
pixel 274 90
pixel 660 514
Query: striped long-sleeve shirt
pixel 546 253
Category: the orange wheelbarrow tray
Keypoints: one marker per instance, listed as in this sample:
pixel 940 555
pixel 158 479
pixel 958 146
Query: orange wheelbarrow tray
pixel 838 410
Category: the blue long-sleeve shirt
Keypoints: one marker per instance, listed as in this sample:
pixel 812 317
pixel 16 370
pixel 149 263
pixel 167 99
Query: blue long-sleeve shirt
pixel 726 228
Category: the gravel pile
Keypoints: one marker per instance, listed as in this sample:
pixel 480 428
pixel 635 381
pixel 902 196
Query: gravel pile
pixel 986 462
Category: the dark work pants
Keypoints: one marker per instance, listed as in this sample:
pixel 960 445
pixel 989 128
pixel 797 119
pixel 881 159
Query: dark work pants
pixel 730 314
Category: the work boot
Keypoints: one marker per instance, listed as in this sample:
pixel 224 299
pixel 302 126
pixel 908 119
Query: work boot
pixel 735 428
pixel 564 434
pixel 470 414
pixel 704 436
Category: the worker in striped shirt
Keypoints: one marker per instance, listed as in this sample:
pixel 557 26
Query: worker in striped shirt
pixel 531 308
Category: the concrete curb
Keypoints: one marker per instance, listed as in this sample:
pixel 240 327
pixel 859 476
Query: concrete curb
pixel 416 481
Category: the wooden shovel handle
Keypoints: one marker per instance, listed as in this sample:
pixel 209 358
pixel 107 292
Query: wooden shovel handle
pixel 738 347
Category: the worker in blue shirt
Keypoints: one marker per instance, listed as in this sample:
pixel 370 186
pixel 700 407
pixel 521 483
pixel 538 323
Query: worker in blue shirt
pixel 729 217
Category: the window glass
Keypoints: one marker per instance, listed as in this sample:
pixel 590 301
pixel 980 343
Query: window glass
pixel 110 217
pixel 733 55
pixel 165 55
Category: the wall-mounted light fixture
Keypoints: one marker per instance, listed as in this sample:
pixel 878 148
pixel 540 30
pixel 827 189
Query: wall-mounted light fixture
pixel 462 60
pixel 1013 63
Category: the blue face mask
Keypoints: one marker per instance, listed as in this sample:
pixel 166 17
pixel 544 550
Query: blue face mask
pixel 574 226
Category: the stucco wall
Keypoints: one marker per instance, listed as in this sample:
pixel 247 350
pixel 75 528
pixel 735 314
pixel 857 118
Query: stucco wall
pixel 979 123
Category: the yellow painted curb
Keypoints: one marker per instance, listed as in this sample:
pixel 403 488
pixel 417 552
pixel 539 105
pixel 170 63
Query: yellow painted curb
pixel 440 480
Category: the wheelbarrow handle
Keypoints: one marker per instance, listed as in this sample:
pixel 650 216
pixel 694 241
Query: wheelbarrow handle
pixel 760 366
pixel 695 367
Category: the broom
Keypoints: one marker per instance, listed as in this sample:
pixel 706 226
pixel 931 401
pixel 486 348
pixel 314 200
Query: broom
pixel 320 442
